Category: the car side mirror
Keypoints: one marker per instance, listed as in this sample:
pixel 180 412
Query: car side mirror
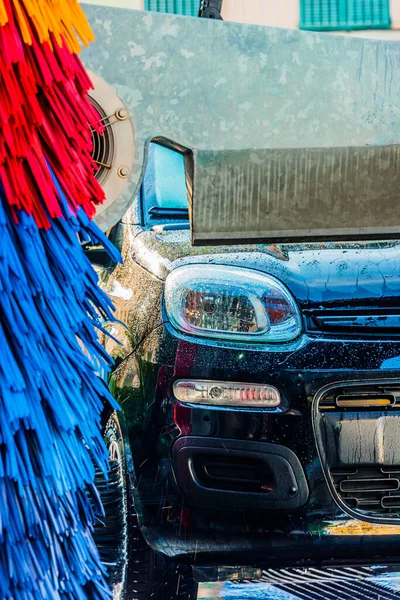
pixel 98 256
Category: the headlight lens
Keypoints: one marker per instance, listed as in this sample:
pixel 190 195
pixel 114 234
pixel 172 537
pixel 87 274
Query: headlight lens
pixel 231 303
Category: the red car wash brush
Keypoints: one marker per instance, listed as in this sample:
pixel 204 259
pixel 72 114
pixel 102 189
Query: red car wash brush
pixel 51 397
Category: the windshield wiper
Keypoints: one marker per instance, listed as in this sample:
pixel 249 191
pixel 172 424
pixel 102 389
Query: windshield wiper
pixel 157 212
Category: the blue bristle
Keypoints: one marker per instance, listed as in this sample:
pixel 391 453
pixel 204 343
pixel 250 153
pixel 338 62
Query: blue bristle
pixel 51 400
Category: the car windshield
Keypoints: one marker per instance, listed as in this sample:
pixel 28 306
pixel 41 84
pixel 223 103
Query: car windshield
pixel 164 193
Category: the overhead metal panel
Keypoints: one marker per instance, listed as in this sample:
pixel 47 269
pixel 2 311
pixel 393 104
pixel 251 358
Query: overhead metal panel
pixel 294 134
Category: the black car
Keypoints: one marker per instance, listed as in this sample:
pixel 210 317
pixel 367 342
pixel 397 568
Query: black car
pixel 260 402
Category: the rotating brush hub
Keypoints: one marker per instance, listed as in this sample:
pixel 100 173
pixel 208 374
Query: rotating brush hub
pixel 113 142
pixel 103 145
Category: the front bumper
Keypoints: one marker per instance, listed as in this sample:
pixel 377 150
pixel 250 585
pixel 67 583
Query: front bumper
pixel 177 525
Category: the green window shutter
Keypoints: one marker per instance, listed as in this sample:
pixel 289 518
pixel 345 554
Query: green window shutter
pixel 322 15
pixel 189 8
pixel 368 14
pixel 331 15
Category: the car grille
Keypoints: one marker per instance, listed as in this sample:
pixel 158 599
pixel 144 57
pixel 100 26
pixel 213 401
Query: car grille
pixel 361 398
pixel 357 321
pixel 374 490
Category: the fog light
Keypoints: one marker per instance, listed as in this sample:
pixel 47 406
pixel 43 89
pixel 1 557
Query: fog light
pixel 226 393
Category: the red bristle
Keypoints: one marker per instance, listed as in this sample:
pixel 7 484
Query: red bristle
pixel 44 116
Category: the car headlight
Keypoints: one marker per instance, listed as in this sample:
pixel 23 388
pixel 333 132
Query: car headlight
pixel 231 303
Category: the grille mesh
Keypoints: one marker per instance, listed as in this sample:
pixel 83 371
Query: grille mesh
pixel 374 490
pixel 103 145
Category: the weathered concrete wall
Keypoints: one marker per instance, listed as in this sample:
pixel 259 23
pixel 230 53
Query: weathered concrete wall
pixel 395 13
pixel 117 3
pixel 286 13
pixel 275 13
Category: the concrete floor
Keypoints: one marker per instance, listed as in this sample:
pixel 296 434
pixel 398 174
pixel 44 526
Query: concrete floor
pixel 228 591
pixel 355 590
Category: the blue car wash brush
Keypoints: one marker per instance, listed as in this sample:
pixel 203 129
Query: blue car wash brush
pixel 51 397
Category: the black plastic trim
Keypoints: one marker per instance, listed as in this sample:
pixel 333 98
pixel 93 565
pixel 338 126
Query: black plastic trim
pixel 290 489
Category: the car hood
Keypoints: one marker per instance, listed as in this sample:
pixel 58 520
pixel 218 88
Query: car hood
pixel 330 274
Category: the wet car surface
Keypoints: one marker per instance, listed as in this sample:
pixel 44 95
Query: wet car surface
pixel 301 468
